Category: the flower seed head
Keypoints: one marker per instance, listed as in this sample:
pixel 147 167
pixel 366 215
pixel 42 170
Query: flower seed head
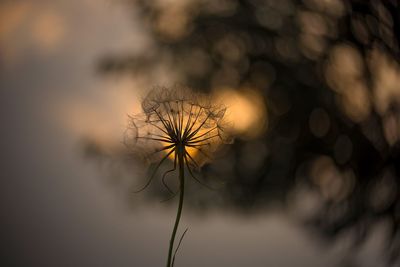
pixel 178 119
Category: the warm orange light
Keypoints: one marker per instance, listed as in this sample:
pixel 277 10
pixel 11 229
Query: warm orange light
pixel 193 152
pixel 48 30
pixel 246 111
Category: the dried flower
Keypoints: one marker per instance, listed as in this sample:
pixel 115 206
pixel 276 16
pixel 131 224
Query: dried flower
pixel 174 119
pixel 181 125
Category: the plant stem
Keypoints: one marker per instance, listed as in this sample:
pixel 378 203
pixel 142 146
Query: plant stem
pixel 180 151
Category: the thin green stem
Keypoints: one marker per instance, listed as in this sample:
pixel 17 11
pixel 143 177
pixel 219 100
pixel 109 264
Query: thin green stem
pixel 180 152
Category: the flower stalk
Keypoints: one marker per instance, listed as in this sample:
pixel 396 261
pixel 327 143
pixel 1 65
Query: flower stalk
pixel 180 152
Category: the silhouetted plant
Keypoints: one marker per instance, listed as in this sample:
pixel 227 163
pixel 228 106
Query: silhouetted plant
pixel 183 126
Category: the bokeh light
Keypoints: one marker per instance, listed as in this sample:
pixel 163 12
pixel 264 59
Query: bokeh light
pixel 246 111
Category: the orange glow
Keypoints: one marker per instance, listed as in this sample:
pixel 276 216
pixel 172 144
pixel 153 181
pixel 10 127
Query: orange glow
pixel 48 30
pixel 104 124
pixel 25 28
pixel 12 16
pixel 246 111
pixel 192 152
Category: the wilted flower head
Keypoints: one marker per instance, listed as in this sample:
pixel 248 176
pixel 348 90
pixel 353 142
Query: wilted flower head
pixel 174 120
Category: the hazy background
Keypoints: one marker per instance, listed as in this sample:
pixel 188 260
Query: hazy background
pixel 313 89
